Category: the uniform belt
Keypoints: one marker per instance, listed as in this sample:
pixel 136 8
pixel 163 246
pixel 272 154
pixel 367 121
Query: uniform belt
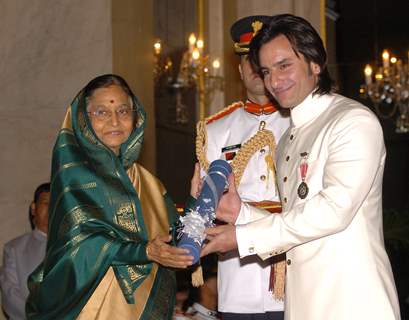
pixel 270 206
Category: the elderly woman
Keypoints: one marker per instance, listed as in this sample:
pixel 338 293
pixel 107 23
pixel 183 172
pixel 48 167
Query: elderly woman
pixel 107 252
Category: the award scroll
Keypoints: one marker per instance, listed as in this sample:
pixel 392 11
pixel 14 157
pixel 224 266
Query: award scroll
pixel 203 212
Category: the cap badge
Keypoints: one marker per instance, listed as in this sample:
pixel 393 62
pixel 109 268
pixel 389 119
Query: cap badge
pixel 256 25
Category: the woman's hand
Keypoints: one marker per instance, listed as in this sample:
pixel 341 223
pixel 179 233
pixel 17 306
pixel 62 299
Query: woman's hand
pixel 159 251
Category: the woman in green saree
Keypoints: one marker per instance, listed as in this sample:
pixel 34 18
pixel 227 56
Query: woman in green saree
pixel 109 219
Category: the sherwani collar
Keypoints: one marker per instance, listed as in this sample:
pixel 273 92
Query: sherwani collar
pixel 310 109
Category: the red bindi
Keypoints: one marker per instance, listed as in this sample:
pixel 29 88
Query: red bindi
pixel 112 101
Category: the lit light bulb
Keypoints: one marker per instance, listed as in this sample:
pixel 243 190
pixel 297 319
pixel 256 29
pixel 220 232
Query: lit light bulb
pixel 385 58
pixel 157 47
pixel 378 76
pixel 368 74
pixel 192 39
pixel 393 59
pixel 195 54
pixel 200 44
pixel 216 64
pixel 368 70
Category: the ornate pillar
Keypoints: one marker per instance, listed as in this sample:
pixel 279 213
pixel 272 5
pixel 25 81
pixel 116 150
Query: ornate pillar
pixel 132 58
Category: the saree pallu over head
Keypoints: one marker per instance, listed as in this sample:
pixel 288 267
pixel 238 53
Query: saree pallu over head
pixel 97 222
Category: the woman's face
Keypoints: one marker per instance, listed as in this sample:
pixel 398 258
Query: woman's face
pixel 111 115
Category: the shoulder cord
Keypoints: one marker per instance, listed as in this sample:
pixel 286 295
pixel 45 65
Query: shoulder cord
pixel 262 139
pixel 201 135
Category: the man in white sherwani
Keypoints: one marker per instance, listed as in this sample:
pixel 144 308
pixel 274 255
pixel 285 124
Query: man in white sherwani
pixel 329 170
pixel 245 134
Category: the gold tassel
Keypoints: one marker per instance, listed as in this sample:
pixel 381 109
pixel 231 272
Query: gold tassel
pixel 197 277
pixel 279 279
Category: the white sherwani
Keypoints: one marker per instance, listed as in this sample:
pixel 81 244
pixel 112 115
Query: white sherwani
pixel 243 284
pixel 337 267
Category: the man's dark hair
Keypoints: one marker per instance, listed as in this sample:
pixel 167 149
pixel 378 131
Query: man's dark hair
pixel 303 39
pixel 45 187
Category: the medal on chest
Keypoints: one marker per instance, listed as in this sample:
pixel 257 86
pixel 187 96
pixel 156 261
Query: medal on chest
pixel 302 190
pixel 230 152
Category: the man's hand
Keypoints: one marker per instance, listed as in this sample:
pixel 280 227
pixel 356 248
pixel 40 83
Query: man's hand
pixel 196 182
pixel 159 251
pixel 230 204
pixel 221 239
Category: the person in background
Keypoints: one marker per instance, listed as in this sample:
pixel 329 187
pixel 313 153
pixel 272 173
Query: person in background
pixel 330 168
pixel 245 134
pixel 182 295
pixel 23 254
pixel 203 299
pixel 109 252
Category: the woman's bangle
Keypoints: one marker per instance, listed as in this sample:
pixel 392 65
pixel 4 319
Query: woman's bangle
pixel 147 251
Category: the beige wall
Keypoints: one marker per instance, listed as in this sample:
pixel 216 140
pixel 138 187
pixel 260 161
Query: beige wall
pixel 48 51
pixel 132 39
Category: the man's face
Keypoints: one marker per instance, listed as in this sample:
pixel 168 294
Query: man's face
pixel 39 210
pixel 290 79
pixel 251 80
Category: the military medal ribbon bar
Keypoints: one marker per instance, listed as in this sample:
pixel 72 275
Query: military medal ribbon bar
pixel 303 187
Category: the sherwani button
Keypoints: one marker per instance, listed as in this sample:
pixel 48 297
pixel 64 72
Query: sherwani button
pixel 262 177
pixel 285 179
pixel 287 158
pixel 285 199
pixel 288 262
pixel 262 151
pixel 251 249
pixel 292 137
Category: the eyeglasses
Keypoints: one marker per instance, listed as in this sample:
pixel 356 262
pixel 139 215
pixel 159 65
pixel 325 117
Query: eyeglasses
pixel 104 114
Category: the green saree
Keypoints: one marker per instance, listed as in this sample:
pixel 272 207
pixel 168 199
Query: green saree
pixel 103 210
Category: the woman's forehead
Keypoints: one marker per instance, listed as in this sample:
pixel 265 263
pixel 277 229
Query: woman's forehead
pixel 110 95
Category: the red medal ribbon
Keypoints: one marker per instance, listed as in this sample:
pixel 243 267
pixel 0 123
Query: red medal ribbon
pixel 303 170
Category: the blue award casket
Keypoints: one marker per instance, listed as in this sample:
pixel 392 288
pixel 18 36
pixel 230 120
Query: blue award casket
pixel 203 213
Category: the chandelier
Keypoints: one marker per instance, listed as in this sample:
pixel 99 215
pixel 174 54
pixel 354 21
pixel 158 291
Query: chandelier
pixel 195 71
pixel 387 86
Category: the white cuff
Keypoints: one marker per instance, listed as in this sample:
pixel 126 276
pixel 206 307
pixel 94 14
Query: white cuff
pixel 244 214
pixel 244 242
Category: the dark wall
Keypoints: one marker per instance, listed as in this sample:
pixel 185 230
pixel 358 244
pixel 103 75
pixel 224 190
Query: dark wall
pixel 175 141
pixel 364 29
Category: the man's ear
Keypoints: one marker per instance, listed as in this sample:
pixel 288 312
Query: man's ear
pixel 315 68
pixel 240 71
pixel 33 208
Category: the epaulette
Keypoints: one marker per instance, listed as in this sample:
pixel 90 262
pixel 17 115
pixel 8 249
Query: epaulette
pixel 224 112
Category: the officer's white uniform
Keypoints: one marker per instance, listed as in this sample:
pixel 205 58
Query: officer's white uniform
pixel 243 284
